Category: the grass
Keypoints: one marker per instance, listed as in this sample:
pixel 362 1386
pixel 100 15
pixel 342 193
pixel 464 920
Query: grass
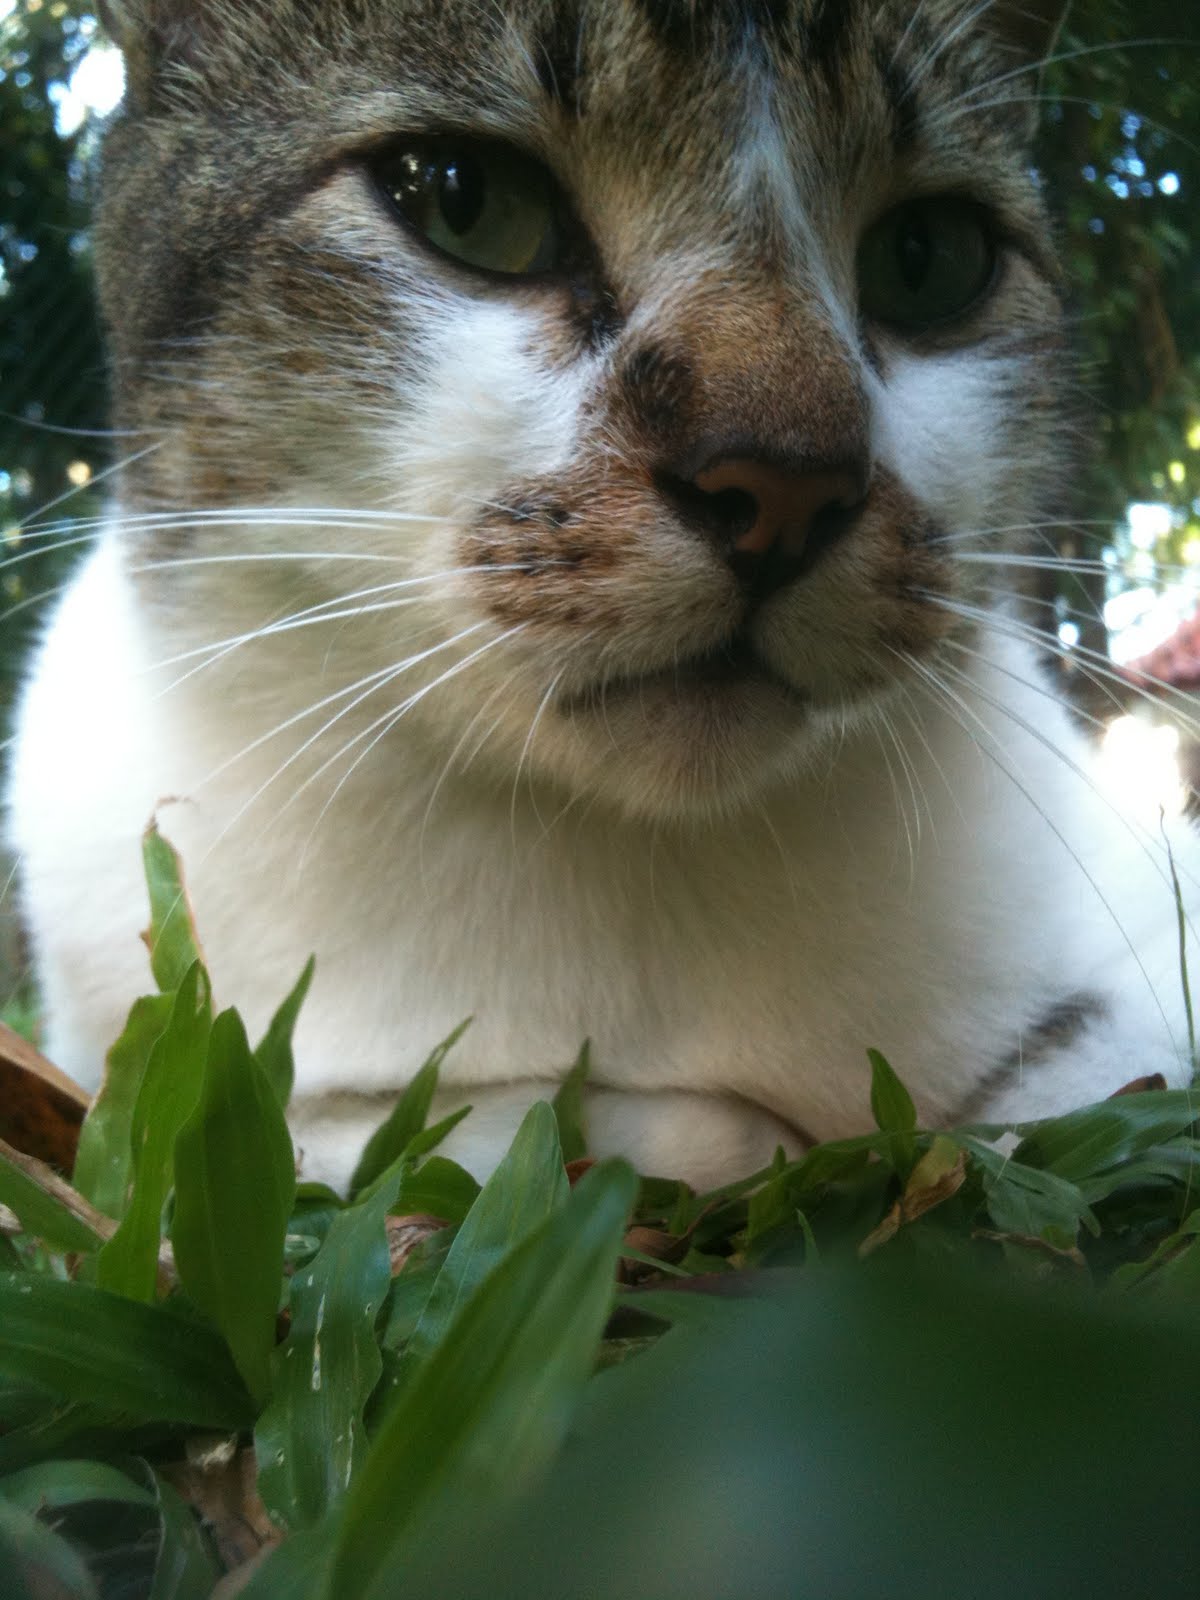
pixel 904 1360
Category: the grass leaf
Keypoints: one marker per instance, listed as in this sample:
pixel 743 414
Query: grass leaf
pixel 1086 1142
pixel 170 1090
pixel 235 1180
pixel 407 1118
pixel 37 1564
pixel 274 1053
pixel 171 937
pixel 311 1439
pixel 893 1110
pixel 528 1186
pixel 61 1483
pixel 493 1402
pixel 34 1192
pixel 568 1106
pixel 149 1363
pixel 104 1161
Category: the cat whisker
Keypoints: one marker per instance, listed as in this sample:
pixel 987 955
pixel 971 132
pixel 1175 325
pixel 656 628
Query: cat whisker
pixel 521 759
pixel 375 682
pixel 1091 663
pixel 389 721
pixel 100 477
pixel 1058 59
pixel 325 611
pixel 959 708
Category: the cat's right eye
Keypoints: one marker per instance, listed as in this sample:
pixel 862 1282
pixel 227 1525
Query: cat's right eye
pixel 479 201
pixel 927 263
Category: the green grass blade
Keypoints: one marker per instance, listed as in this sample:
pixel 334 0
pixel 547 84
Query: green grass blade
pixel 170 1090
pixel 568 1106
pixel 528 1186
pixel 407 1118
pixel 184 1568
pixel 235 1181
pixel 171 937
pixel 311 1439
pixel 494 1401
pixel 41 1213
pixel 62 1483
pixel 274 1053
pixel 893 1110
pixel 104 1160
pixel 1026 1201
pixel 36 1563
pixel 1095 1138
pixel 149 1363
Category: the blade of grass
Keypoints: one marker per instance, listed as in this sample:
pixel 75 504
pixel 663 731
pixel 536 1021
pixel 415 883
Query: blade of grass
pixel 494 1401
pixel 407 1118
pixel 235 1179
pixel 149 1363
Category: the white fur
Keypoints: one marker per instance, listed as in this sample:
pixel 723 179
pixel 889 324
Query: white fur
pixel 749 962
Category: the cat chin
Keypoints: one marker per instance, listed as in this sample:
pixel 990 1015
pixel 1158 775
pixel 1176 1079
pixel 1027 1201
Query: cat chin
pixel 658 750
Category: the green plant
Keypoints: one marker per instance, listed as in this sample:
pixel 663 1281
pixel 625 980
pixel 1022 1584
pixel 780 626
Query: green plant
pixel 903 1353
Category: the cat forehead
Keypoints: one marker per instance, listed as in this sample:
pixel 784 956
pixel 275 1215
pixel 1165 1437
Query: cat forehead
pixel 583 53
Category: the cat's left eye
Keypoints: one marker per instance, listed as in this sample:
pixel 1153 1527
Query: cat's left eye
pixel 481 202
pixel 926 263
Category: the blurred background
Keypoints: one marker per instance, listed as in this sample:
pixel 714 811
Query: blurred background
pixel 1120 155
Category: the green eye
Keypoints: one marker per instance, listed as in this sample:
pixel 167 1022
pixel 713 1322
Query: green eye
pixel 926 263
pixel 482 203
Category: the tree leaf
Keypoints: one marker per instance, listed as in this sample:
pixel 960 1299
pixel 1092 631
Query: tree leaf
pixel 105 1157
pixel 149 1363
pixel 493 1402
pixel 893 1110
pixel 235 1179
pixel 274 1053
pixel 568 1106
pixel 171 937
pixel 169 1092
pixel 406 1119
pixel 528 1186
pixel 35 1193
pixel 311 1439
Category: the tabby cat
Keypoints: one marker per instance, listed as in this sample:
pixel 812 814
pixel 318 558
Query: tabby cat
pixel 577 452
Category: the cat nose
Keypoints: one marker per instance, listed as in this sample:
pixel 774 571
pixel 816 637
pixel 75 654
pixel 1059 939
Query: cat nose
pixel 770 521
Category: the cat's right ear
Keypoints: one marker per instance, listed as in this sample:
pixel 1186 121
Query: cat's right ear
pixel 151 35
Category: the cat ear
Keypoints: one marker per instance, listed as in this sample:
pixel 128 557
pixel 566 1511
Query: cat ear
pixel 1030 26
pixel 151 34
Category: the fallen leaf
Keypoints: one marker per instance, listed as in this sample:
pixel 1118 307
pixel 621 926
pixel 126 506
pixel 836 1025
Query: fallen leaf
pixel 41 1109
pixel 404 1234
pixel 1141 1085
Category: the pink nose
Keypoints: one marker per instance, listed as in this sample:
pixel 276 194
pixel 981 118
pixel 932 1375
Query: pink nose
pixel 785 503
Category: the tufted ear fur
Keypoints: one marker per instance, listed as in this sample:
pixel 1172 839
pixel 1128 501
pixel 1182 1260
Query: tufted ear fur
pixel 153 34
pixel 1030 26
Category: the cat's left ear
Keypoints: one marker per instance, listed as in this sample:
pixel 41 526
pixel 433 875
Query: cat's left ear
pixel 1030 26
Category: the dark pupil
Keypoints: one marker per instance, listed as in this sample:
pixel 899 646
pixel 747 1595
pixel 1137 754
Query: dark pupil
pixel 914 252
pixel 461 193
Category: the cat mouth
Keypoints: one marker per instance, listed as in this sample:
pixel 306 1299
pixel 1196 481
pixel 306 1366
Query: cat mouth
pixel 732 668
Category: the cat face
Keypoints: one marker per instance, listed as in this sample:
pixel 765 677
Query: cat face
pixel 672 354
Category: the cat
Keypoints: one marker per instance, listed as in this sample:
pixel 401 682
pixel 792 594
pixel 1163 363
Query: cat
pixel 577 450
